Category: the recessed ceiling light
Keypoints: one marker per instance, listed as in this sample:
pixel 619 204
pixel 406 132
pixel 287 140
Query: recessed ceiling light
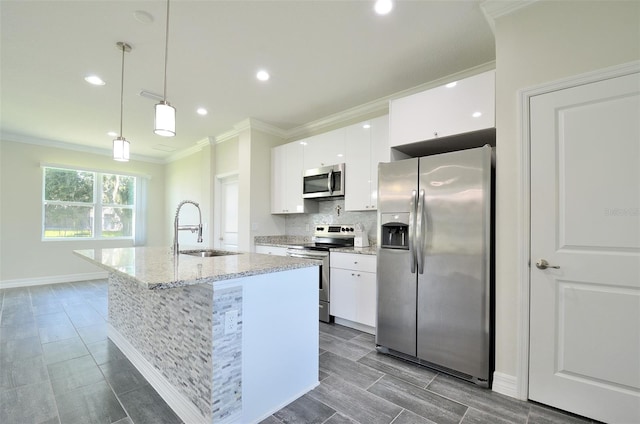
pixel 477 114
pixel 382 7
pixel 202 111
pixel 263 75
pixel 452 84
pixel 112 134
pixel 94 80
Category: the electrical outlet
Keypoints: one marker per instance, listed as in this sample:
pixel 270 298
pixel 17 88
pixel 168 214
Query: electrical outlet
pixel 231 321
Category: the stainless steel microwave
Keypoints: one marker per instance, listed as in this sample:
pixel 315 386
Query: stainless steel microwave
pixel 327 181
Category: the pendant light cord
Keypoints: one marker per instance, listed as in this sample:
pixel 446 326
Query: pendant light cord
pixel 166 53
pixel 124 46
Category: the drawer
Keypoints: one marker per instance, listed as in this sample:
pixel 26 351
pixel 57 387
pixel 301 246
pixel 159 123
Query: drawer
pixel 354 261
pixel 271 250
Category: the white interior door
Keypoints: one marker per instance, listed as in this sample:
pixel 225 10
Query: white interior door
pixel 585 219
pixel 229 214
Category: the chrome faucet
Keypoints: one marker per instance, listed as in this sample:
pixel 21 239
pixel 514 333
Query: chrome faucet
pixel 192 228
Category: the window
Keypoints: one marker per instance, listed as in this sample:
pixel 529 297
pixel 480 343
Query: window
pixel 72 199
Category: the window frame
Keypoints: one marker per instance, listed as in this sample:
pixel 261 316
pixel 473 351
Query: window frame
pixel 97 205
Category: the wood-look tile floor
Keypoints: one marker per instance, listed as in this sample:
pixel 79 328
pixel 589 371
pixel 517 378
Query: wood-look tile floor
pixel 58 367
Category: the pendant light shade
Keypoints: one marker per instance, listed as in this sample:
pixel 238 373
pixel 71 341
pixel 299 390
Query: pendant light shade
pixel 120 149
pixel 165 115
pixel 120 144
pixel 165 122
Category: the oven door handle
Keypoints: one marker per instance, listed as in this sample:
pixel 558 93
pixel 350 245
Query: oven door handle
pixel 304 256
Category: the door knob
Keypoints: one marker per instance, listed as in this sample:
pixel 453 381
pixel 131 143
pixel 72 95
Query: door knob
pixel 543 264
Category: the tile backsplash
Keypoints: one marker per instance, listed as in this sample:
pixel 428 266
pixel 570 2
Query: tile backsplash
pixel 302 224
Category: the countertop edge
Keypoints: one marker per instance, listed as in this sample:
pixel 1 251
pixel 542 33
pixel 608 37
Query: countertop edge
pixel 220 275
pixel 370 250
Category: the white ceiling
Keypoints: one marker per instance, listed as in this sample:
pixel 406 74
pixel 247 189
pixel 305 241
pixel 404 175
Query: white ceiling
pixel 324 57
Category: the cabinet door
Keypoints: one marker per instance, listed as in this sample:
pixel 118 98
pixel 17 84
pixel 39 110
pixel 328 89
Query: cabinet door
pixel 358 167
pixel 293 202
pixel 380 152
pixel 468 105
pixel 286 180
pixel 324 149
pixel 367 306
pixel 343 294
pixel 278 179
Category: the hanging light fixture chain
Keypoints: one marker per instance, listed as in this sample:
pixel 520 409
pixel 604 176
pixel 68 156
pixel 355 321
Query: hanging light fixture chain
pixel 166 54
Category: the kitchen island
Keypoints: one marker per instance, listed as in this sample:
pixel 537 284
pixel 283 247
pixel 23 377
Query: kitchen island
pixel 225 339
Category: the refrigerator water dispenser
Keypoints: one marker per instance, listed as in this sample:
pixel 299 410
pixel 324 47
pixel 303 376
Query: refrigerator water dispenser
pixel 395 231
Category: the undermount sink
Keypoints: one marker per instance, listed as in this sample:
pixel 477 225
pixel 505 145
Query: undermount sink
pixel 207 253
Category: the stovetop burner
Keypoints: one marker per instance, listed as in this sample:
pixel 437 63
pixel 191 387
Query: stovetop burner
pixel 327 236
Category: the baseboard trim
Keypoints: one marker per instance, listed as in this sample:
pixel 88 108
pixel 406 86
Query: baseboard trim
pixel 56 279
pixel 181 405
pixel 355 325
pixel 505 384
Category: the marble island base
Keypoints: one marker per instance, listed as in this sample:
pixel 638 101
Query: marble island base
pixel 231 351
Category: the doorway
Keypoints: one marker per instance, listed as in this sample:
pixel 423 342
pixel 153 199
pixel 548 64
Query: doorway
pixel 584 275
pixel 226 219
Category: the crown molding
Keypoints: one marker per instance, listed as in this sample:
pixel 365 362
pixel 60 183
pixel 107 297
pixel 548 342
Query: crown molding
pixel 250 123
pixel 18 138
pixel 381 105
pixel 183 153
pixel 493 9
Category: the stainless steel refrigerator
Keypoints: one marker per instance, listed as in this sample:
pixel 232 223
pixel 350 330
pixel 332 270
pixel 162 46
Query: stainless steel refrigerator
pixel 435 262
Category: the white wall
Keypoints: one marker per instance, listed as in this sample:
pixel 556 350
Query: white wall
pixel 262 222
pixel 188 179
pixel 24 257
pixel 254 150
pixel 546 41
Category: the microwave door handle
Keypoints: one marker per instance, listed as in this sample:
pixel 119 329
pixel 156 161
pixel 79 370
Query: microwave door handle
pixel 330 184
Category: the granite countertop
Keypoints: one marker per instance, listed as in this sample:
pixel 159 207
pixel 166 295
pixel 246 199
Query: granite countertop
pixel 286 241
pixel 158 268
pixel 282 241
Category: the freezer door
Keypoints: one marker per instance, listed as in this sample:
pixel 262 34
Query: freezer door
pixel 396 324
pixel 454 308
pixel 396 312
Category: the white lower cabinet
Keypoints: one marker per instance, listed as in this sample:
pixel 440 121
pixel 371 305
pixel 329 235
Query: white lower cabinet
pixel 271 250
pixel 353 290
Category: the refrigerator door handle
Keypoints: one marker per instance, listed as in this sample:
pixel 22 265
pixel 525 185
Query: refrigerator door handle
pixel 420 233
pixel 412 229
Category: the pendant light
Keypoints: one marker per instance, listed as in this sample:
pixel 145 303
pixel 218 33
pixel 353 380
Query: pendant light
pixel 165 116
pixel 120 144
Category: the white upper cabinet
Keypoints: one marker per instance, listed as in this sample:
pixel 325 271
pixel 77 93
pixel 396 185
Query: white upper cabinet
pixel 286 180
pixel 366 145
pixel 324 149
pixel 456 108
